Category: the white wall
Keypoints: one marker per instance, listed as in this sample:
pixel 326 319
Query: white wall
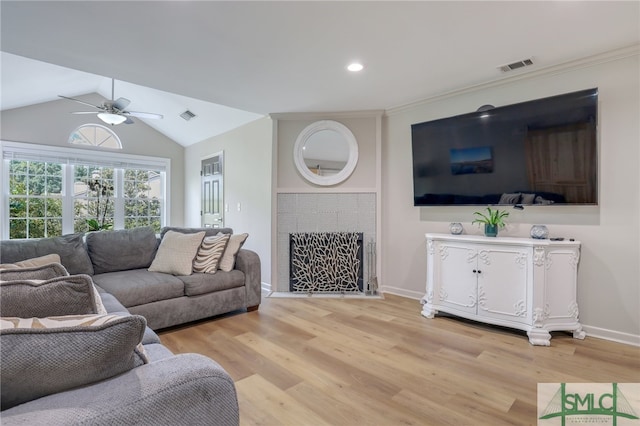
pixel 51 123
pixel 609 270
pixel 247 180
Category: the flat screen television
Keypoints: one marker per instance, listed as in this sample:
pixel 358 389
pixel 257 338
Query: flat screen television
pixel 540 152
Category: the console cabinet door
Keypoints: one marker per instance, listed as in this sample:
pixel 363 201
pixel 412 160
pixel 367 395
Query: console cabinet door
pixel 453 269
pixel 503 276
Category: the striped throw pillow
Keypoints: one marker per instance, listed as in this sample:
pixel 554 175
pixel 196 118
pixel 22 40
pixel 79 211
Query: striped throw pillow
pixel 210 252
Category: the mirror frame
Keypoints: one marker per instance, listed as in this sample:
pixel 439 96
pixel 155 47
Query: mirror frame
pixel 309 131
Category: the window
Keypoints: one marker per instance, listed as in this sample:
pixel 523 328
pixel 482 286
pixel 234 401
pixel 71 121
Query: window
pixel 35 199
pixel 95 135
pixel 93 198
pixel 142 195
pixel 53 191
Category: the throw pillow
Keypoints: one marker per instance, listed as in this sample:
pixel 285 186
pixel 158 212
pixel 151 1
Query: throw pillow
pixel 42 356
pixel 72 295
pixel 228 260
pixel 32 263
pixel 527 198
pixel 509 198
pixel 210 253
pixel 542 201
pixel 176 253
pixel 45 272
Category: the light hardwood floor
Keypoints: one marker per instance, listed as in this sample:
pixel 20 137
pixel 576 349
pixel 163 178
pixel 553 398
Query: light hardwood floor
pixel 313 361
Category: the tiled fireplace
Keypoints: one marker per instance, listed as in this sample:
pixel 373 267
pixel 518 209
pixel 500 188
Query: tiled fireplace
pixel 324 213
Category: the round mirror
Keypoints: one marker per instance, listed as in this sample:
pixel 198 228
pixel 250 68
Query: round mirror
pixel 326 152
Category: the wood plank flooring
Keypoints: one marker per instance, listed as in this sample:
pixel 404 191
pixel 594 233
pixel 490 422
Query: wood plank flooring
pixel 313 361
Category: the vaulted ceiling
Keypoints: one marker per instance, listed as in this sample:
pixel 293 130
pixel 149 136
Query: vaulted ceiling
pixel 232 62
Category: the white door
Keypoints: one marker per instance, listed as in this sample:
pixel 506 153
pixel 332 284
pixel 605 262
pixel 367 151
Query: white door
pixel 211 209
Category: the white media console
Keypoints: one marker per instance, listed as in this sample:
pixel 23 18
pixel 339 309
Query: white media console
pixel 521 283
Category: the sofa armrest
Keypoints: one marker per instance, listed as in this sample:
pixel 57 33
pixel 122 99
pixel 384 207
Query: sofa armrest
pixel 182 389
pixel 248 262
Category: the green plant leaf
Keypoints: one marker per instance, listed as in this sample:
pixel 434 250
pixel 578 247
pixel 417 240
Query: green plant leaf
pixel 93 225
pixel 493 217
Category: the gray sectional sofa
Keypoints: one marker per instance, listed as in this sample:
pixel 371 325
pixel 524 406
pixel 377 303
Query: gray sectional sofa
pixel 101 375
pixel 72 376
pixel 119 260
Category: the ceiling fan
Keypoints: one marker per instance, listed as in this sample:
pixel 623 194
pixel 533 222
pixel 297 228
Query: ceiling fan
pixel 113 111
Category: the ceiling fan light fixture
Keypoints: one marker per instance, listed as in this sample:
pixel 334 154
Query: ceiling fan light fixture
pixel 112 119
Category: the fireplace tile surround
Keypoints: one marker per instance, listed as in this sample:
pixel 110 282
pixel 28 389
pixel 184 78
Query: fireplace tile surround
pixel 323 212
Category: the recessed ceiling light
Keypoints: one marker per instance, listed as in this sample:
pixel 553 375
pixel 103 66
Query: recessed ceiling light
pixel 355 67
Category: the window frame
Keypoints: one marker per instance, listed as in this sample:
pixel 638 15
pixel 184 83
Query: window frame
pixel 95 127
pixel 73 156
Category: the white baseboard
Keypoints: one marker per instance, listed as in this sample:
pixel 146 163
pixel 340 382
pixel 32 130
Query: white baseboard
pixel 266 287
pixel 401 292
pixel 614 336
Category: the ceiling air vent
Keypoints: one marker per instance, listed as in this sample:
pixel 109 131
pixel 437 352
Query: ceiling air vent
pixel 516 65
pixel 187 115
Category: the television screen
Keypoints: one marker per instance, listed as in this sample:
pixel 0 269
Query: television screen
pixel 540 152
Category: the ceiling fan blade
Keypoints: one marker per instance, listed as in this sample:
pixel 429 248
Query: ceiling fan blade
pixel 121 103
pixel 142 114
pixel 84 112
pixel 81 102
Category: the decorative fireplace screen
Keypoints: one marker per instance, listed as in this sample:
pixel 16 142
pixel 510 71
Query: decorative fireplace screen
pixel 325 262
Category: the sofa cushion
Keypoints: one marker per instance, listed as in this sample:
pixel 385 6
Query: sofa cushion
pixel 198 283
pixel 73 254
pixel 32 263
pixel 176 253
pixel 111 304
pixel 210 253
pixel 123 249
pixel 42 356
pixel 44 272
pixel 72 295
pixel 228 261
pixel 140 286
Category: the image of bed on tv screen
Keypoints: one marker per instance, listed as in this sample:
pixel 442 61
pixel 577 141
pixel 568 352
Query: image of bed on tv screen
pixel 515 198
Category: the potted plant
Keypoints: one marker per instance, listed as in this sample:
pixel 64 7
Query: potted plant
pixel 493 220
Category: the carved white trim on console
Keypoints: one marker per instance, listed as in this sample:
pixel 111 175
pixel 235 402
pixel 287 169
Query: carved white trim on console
pixel 520 308
pixel 538 256
pixel 540 315
pixel 430 247
pixel 520 283
pixel 443 253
